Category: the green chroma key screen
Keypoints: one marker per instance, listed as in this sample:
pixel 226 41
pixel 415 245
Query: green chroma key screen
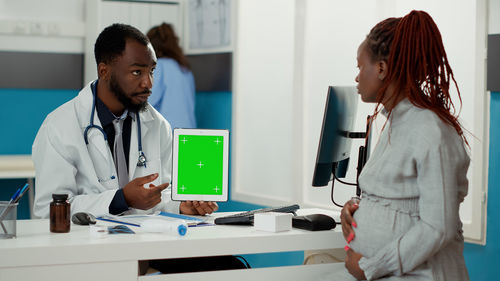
pixel 200 165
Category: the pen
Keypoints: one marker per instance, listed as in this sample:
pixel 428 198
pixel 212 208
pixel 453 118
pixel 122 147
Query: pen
pixel 23 190
pixel 14 199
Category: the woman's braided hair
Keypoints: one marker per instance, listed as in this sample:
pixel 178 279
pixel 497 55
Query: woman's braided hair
pixel 417 64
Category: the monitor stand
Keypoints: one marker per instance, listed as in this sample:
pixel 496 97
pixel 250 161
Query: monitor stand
pixel 363 154
pixel 362 158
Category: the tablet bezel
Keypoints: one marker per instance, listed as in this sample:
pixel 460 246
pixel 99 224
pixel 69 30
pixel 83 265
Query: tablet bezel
pixel 175 157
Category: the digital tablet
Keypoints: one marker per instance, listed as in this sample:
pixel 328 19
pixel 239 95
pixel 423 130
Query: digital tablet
pixel 200 165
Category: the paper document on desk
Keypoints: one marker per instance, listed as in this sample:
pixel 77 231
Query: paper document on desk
pixel 136 220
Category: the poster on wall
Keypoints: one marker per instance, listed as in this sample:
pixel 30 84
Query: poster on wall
pixel 209 26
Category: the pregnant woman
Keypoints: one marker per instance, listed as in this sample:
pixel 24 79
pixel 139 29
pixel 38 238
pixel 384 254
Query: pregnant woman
pixel 407 224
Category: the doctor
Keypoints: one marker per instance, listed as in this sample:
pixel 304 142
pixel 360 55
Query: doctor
pixel 108 148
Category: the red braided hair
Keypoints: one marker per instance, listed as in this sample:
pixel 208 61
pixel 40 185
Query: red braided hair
pixel 417 64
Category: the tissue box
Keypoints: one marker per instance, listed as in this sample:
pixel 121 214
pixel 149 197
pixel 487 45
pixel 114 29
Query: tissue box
pixel 272 221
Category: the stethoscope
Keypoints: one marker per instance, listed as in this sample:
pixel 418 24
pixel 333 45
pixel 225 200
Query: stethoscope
pixel 141 162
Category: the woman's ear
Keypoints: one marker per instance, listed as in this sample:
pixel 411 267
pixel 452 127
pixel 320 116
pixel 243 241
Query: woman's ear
pixel 103 71
pixel 382 70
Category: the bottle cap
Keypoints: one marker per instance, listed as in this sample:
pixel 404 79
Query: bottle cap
pixel 60 197
pixel 182 229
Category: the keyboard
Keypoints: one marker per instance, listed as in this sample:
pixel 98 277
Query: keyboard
pixel 246 218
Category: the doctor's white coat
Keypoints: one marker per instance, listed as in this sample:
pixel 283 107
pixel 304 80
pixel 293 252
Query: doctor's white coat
pixel 65 164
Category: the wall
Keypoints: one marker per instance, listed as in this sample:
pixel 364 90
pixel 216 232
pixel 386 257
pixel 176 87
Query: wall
pixel 482 261
pixel 22 111
pixel 263 115
pixel 28 93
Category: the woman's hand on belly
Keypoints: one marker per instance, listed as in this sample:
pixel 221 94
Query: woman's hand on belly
pixel 347 220
pixel 352 264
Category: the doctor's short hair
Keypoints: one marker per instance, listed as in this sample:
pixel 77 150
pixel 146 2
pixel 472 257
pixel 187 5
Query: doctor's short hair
pixel 110 44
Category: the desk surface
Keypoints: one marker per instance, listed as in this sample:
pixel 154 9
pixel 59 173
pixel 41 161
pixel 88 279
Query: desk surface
pixel 35 245
pixel 37 254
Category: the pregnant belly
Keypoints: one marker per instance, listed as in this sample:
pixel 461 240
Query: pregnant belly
pixel 378 225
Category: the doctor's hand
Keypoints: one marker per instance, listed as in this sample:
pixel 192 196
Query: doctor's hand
pixel 198 207
pixel 347 220
pixel 139 197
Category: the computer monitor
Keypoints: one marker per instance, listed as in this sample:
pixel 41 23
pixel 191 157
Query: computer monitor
pixel 336 132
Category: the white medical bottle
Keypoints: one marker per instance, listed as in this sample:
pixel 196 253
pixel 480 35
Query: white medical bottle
pixel 156 225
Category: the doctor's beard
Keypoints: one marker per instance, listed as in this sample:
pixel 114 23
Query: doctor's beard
pixel 126 100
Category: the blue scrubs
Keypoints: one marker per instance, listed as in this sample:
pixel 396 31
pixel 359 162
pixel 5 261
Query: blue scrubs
pixel 174 93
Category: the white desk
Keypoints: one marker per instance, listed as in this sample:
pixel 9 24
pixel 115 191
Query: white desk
pixel 37 254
